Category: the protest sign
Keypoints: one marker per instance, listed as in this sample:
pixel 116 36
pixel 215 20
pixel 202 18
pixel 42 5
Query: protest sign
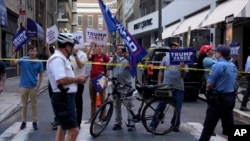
pixel 234 47
pixel 98 36
pixel 20 38
pixel 98 82
pixel 79 37
pixel 52 34
pixel 181 55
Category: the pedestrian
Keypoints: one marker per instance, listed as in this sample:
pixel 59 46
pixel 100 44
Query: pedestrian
pixel 247 94
pixel 175 77
pixel 30 68
pixel 206 61
pixel 2 75
pixel 96 71
pixel 221 94
pixel 123 75
pixel 49 53
pixel 78 59
pixel 64 86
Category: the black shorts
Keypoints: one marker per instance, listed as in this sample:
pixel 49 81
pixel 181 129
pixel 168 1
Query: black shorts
pixel 64 108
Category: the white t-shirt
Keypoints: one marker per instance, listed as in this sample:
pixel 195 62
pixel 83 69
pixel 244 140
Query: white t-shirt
pixel 58 67
pixel 83 58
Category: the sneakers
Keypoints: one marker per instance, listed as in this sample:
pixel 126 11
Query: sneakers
pixel 131 128
pixel 35 126
pixel 23 125
pixel 244 109
pixel 176 129
pixel 117 127
pixel 88 122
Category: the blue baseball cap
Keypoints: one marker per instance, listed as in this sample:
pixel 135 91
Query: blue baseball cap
pixel 224 50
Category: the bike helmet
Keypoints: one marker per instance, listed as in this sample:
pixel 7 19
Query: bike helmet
pixel 205 48
pixel 64 38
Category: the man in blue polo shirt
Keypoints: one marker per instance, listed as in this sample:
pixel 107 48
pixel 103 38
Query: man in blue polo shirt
pixel 30 67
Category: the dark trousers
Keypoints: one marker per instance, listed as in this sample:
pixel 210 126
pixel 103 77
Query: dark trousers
pixel 246 96
pixel 55 122
pixel 79 102
pixel 221 108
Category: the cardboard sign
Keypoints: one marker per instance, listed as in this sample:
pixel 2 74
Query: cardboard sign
pixel 52 34
pixel 97 36
pixel 20 38
pixel 234 47
pixel 181 55
pixel 79 37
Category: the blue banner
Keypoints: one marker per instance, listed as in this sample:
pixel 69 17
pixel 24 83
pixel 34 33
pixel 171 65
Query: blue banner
pixel 136 52
pixel 20 38
pixel 3 14
pixel 234 47
pixel 181 55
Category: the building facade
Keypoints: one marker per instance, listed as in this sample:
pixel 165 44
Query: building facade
pixel 90 16
pixel 193 23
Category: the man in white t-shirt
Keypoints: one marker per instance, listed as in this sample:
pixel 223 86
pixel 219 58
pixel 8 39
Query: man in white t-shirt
pixel 78 59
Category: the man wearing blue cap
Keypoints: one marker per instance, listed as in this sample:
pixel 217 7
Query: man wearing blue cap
pixel 221 94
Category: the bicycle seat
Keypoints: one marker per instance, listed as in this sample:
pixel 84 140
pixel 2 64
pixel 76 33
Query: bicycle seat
pixel 164 87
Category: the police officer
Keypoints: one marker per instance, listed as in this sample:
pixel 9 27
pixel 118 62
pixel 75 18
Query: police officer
pixel 221 94
pixel 64 86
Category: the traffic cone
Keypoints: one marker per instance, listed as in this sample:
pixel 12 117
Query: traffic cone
pixel 98 100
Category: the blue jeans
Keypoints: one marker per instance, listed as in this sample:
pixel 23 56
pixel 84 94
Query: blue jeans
pixel 178 97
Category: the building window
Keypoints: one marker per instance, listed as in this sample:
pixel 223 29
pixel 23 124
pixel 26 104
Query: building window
pixel 79 20
pixel 100 21
pixel 90 21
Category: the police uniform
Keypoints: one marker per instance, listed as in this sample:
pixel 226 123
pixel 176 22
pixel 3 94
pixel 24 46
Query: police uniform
pixel 63 101
pixel 222 98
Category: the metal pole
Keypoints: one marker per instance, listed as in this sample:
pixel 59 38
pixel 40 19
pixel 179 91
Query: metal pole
pixel 159 23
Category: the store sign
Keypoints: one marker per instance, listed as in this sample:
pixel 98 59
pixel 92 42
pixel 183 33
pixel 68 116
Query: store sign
pixel 143 24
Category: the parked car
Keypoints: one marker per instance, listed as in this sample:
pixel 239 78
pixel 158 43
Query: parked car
pixel 192 81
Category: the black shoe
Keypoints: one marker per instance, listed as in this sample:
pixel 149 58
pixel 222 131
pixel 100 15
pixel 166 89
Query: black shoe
pixel 35 126
pixel 176 129
pixel 23 125
pixel 117 127
pixel 213 134
pixel 131 128
pixel 244 109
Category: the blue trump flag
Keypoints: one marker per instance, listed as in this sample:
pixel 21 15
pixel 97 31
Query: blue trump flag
pixel 136 52
pixel 20 38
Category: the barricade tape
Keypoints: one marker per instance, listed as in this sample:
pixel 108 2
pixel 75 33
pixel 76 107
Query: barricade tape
pixel 140 66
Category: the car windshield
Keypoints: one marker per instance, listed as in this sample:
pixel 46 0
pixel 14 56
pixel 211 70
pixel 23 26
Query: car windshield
pixel 158 56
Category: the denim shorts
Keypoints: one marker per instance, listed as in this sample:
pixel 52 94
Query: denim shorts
pixel 64 108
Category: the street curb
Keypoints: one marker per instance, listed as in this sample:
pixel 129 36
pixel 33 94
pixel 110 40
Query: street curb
pixel 16 107
pixel 242 116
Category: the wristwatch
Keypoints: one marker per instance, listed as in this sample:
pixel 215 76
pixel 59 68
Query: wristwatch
pixel 74 54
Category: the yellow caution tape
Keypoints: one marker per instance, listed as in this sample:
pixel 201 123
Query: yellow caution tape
pixel 140 66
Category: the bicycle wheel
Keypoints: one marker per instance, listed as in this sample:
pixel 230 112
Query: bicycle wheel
pixel 101 119
pixel 241 91
pixel 160 119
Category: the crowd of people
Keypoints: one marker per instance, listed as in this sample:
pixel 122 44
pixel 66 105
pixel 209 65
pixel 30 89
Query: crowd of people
pixel 67 76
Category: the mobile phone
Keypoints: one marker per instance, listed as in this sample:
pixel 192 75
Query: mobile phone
pixel 87 76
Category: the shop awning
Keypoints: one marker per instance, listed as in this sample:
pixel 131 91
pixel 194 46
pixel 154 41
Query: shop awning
pixel 194 22
pixel 3 14
pixel 230 7
pixel 34 29
pixel 168 32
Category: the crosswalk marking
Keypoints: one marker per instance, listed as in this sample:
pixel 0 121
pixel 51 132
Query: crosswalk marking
pixel 195 129
pixel 84 133
pixel 13 133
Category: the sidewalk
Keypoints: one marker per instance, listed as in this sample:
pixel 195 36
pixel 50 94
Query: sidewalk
pixel 10 101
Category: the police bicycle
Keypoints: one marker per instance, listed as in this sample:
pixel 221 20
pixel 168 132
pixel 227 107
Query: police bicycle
pixel 149 98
